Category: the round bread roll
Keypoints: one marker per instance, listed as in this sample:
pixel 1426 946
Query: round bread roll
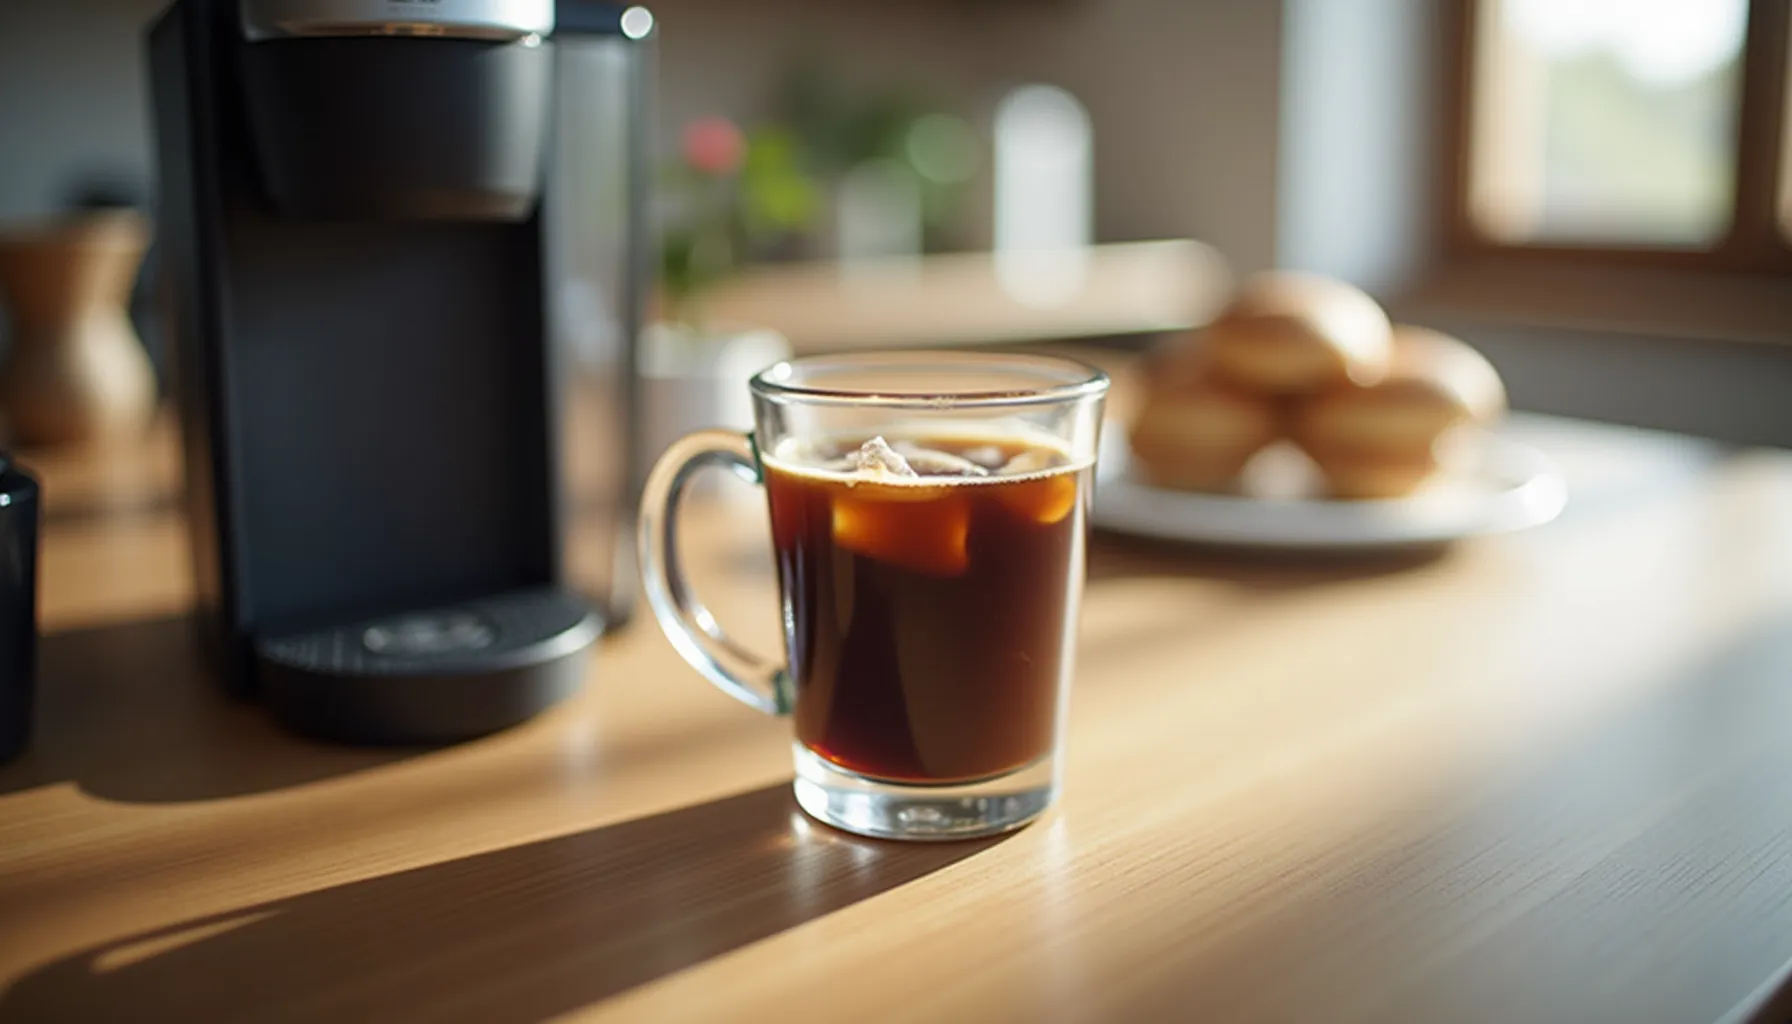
pixel 1198 435
pixel 1295 334
pixel 1363 477
pixel 1434 383
pixel 1178 366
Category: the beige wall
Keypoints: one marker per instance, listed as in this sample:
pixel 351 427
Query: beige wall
pixel 1184 96
pixel 1183 92
pixel 71 98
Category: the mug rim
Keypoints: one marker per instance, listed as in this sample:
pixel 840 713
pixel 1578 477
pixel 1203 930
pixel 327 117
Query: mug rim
pixel 1062 379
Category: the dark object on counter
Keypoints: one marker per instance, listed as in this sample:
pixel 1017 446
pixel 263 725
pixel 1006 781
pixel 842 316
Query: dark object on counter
pixel 404 264
pixel 19 510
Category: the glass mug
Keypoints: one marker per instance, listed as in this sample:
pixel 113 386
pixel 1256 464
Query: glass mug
pixel 929 513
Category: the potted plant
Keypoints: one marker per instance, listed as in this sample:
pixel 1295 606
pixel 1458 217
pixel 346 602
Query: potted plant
pixel 726 196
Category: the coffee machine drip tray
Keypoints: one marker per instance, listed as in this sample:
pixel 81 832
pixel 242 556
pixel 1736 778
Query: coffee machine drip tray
pixel 431 675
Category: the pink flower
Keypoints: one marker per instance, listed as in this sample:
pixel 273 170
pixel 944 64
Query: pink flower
pixel 713 145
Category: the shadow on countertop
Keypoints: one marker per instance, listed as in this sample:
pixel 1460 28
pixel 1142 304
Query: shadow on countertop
pixel 129 713
pixel 513 935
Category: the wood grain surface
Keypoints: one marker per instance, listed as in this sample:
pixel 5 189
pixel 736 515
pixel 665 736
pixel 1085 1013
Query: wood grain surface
pixel 1536 778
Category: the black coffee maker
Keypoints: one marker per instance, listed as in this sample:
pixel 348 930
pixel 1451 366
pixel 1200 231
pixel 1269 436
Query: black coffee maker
pixel 404 257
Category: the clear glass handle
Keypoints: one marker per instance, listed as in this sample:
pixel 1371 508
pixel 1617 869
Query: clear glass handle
pixel 753 680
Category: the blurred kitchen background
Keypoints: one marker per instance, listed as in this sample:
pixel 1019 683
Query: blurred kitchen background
pixel 1594 192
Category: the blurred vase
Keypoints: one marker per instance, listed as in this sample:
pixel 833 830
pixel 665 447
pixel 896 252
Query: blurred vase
pixel 691 380
pixel 75 370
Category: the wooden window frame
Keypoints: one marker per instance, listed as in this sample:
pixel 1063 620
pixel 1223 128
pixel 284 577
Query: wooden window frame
pixel 1739 288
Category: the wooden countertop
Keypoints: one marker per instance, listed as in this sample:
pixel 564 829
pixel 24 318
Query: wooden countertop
pixel 1536 778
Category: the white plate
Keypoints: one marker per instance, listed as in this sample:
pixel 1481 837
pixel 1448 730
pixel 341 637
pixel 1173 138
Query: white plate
pixel 1514 487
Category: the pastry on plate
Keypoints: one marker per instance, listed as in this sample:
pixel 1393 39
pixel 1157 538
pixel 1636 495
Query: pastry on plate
pixel 1359 477
pixel 1287 333
pixel 1195 433
pixel 1434 383
pixel 1384 439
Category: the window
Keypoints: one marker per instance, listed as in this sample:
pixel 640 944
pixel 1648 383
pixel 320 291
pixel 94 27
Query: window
pixel 1599 125
pixel 1613 131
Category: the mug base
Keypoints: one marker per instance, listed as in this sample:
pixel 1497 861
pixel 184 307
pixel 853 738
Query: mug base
pixel 887 810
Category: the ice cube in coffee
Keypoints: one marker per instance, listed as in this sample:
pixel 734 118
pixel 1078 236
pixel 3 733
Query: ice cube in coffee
pixel 928 590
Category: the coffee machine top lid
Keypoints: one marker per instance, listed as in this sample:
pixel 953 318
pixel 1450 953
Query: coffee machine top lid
pixel 462 19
